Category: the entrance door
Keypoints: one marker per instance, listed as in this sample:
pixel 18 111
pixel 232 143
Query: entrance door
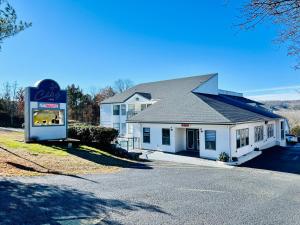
pixel 192 139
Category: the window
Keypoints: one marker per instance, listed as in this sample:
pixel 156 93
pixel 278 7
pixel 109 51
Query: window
pixel 242 138
pixel 258 133
pixel 116 126
pixel 146 135
pixel 143 106
pixel 123 128
pixel 48 117
pixel 165 136
pixel 270 130
pixel 210 139
pixel 116 110
pixel 123 109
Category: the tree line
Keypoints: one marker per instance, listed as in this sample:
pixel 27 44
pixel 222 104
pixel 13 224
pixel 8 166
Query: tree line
pixel 82 107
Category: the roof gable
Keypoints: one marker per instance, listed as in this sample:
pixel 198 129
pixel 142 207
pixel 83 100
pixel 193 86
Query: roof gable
pixel 162 89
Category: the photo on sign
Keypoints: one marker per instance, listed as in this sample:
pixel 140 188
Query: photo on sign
pixel 52 117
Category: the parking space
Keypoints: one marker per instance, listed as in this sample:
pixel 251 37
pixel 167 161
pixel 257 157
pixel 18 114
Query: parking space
pixel 281 159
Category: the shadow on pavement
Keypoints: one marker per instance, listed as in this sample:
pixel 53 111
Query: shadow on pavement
pixel 280 159
pixel 106 159
pixel 52 172
pixel 32 204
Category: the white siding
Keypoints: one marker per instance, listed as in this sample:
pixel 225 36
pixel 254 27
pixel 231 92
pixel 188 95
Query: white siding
pixel 156 138
pixel 222 141
pixel 178 138
pixel 265 143
pixel 209 87
pixel 106 115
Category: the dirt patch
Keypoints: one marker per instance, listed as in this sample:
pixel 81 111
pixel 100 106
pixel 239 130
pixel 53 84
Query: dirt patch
pixel 20 159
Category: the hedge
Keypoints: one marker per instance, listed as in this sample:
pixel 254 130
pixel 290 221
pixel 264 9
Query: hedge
pixel 93 134
pixel 5 120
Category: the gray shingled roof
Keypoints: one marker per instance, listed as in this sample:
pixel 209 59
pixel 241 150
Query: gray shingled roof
pixel 178 104
pixel 162 89
pixel 180 109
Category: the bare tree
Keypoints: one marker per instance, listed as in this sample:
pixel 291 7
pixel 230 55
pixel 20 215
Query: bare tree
pixel 6 96
pixel 13 107
pixel 285 13
pixel 20 100
pixel 122 85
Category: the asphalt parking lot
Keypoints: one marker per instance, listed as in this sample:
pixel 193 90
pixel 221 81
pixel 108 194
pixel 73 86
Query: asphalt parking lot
pixel 164 193
pixel 278 159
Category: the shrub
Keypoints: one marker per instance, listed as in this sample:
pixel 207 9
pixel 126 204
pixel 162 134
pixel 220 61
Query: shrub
pixel 296 130
pixel 223 157
pixel 101 136
pixel 7 121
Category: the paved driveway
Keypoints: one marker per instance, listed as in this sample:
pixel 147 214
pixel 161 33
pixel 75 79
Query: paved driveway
pixel 169 193
pixel 278 159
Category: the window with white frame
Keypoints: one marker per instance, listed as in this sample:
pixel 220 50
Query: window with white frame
pixel 165 136
pixel 242 137
pixel 258 133
pixel 117 126
pixel 116 110
pixel 270 130
pixel 210 139
pixel 146 135
pixel 123 109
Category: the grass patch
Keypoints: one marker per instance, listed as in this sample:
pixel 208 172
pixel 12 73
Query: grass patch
pixel 9 143
pixel 93 150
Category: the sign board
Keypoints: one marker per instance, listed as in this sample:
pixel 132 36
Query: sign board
pixel 45 111
pixel 185 125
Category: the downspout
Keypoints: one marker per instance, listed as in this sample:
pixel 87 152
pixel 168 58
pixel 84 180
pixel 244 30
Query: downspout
pixel 230 154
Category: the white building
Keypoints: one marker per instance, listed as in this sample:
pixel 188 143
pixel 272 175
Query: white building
pixel 192 114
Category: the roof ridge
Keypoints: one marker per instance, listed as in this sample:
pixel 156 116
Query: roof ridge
pixel 179 78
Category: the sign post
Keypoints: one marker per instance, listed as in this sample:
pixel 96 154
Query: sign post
pixel 46 116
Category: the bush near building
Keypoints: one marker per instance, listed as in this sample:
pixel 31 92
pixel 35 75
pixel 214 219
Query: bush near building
pixel 102 136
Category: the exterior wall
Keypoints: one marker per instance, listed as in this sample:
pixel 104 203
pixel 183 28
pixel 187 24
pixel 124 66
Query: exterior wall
pixel 225 92
pixel 107 119
pixel 265 143
pixel 280 141
pixel 225 138
pixel 209 87
pixel 156 138
pixel 106 115
pixel 222 141
pixel 178 138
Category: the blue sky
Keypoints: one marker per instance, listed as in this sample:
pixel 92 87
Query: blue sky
pixel 94 42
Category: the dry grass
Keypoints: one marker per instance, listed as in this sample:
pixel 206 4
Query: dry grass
pixel 292 115
pixel 20 159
